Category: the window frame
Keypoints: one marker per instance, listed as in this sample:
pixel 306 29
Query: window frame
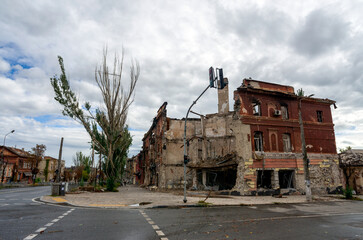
pixel 319 115
pixel 258 138
pixel 256 108
pixel 284 113
pixel 285 137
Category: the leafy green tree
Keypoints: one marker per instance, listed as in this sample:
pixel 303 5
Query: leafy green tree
pixel 300 92
pixel 106 124
pixel 83 166
pixel 119 159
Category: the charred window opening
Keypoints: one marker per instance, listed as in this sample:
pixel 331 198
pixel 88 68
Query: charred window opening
pixel 223 179
pixel 258 141
pixel 264 179
pixel 256 108
pixel 286 178
pixel 284 112
pixel 200 176
pixel 200 147
pixel 286 139
pixel 319 116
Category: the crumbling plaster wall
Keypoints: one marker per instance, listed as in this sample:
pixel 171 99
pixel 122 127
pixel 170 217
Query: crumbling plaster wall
pixel 324 172
pixel 227 134
pixel 171 172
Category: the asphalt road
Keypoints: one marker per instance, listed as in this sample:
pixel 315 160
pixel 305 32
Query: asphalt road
pixel 21 218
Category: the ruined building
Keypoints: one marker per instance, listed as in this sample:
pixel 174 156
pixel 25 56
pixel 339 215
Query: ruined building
pixel 254 149
pixel 351 163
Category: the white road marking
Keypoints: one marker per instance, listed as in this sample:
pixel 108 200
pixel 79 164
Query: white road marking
pixel 154 226
pixel 160 233
pixel 30 236
pixel 41 229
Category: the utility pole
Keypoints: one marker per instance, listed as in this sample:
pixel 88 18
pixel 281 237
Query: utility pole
pixel 59 161
pixel 305 155
pixel 99 174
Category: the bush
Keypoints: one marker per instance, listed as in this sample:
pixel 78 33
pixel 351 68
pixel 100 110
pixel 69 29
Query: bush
pixel 37 180
pixel 85 175
pixel 81 184
pixel 348 192
pixel 111 185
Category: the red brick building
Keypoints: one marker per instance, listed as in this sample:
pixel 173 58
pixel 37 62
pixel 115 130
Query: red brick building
pixel 17 165
pixel 272 112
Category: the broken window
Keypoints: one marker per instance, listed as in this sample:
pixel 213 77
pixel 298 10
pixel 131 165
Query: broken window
pixel 286 139
pixel 256 108
pixel 264 179
pixel 319 115
pixel 200 151
pixel 286 178
pixel 258 141
pixel 222 179
pixel 284 112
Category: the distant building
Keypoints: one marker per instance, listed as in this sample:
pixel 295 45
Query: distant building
pixel 51 164
pixel 16 165
pixel 254 149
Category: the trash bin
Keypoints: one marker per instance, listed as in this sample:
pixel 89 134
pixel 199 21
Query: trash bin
pixel 62 189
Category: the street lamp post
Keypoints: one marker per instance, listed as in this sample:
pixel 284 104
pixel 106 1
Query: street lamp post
pixel 186 160
pixel 212 80
pixel 305 155
pixel 2 156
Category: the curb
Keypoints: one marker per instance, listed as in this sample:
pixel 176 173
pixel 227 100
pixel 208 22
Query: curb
pixel 41 199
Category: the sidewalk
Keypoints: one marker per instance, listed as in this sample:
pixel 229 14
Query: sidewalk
pixel 132 196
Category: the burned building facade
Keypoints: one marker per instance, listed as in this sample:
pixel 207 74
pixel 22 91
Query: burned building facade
pixel 254 149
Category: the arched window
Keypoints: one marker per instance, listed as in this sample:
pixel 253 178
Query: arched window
pixel 286 139
pixel 258 141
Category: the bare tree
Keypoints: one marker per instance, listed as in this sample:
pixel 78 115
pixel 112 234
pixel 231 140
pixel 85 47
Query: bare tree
pixel 109 118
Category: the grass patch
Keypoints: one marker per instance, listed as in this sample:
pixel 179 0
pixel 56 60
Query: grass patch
pixel 202 203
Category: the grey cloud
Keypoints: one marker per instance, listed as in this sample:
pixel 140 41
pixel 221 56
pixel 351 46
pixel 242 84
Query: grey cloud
pixel 320 33
pixel 255 24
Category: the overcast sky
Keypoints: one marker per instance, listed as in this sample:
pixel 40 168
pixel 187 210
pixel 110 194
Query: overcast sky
pixel 314 45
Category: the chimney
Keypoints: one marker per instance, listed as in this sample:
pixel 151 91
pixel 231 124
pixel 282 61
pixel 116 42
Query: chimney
pixel 223 100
